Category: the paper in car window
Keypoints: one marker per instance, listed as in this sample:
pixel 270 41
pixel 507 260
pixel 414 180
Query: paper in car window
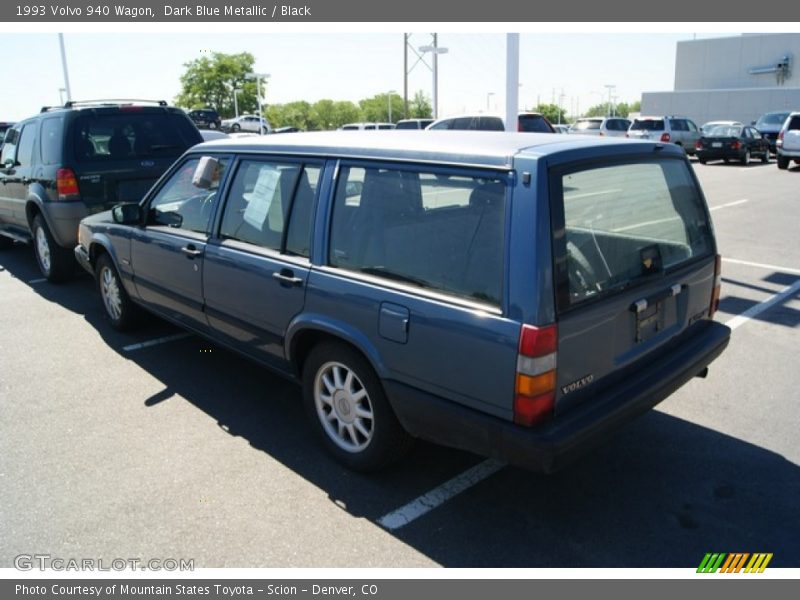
pixel 261 198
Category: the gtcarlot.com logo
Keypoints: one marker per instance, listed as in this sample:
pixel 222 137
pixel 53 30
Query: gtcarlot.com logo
pixel 737 562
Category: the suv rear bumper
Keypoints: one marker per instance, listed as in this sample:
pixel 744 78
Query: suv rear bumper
pixel 789 153
pixel 550 446
pixel 63 219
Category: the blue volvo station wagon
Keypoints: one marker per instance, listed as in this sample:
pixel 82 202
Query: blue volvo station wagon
pixel 520 296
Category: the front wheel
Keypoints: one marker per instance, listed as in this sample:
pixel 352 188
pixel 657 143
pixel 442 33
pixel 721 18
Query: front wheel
pixel 55 263
pixel 783 162
pixel 120 310
pixel 347 406
pixel 235 127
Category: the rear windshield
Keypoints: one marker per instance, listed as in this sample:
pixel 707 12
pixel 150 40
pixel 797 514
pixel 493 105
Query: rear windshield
pixel 628 222
pixel 794 123
pixel 648 124
pixel 772 119
pixel 407 125
pixel 584 125
pixel 127 135
pixel 724 131
pixel 534 124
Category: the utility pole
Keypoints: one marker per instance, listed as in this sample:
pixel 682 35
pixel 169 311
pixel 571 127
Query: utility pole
pixel 512 82
pixel 64 66
pixel 405 75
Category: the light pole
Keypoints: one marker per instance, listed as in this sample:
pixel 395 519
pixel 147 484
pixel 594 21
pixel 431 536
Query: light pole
pixel 64 66
pixel 389 97
pixel 61 95
pixel 236 101
pixel 488 95
pixel 610 87
pixel 258 77
pixel 435 51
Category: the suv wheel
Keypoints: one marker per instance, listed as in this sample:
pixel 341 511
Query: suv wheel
pixel 55 263
pixel 783 162
pixel 348 408
pixel 746 157
pixel 121 311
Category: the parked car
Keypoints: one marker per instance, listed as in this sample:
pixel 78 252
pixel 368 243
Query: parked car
pixel 365 126
pixel 287 129
pixel 610 126
pixel 78 159
pixel 674 130
pixel 732 142
pixel 550 292
pixel 413 123
pixel 529 122
pixel 706 127
pixel 561 128
pixel 770 124
pixel 250 123
pixel 4 126
pixel 206 118
pixel 788 142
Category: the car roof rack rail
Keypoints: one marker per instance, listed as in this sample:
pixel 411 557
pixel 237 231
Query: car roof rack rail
pixel 101 101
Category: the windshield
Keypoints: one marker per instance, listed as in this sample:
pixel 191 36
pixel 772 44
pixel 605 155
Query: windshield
pixel 776 118
pixel 583 125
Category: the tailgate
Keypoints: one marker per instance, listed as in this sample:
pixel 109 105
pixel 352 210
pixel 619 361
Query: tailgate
pixel 104 185
pixel 636 271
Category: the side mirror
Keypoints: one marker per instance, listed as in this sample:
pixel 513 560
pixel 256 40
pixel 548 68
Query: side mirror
pixel 129 213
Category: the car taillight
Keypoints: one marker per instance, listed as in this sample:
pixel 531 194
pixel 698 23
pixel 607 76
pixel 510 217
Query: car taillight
pixel 698 145
pixel 715 293
pixel 736 145
pixel 66 184
pixel 665 137
pixel 535 388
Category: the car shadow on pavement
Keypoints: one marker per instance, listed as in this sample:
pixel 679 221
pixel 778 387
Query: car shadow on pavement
pixel 661 493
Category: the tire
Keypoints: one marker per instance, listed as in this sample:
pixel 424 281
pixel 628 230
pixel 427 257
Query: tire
pixel 55 263
pixel 783 162
pixel 765 157
pixel 726 161
pixel 702 161
pixel 746 158
pixel 347 407
pixel 5 242
pixel 236 127
pixel 119 308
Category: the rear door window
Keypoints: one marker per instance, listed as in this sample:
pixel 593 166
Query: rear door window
pixel 50 141
pixel 534 124
pixel 26 143
pixel 624 223
pixel 420 228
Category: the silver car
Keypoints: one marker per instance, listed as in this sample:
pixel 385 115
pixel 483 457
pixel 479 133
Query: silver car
pixel 247 123
pixel 788 142
pixel 669 129
pixel 610 126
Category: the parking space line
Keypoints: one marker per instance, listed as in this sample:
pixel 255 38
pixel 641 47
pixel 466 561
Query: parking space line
pixel 753 311
pixel 762 265
pixel 156 342
pixel 441 494
pixel 734 203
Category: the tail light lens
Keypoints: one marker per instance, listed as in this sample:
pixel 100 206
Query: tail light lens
pixel 535 390
pixel 736 145
pixel 698 145
pixel 66 184
pixel 715 293
pixel 665 137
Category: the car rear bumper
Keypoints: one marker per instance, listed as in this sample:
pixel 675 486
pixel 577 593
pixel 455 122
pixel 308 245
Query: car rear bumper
pixel 720 154
pixel 789 153
pixel 63 219
pixel 550 446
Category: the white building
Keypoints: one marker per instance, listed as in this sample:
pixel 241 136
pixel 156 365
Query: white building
pixel 737 78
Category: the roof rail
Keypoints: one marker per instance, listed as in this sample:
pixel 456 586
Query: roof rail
pixel 49 108
pixel 71 103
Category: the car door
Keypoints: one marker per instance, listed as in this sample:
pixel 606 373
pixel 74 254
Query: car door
pixel 18 174
pixel 256 267
pixel 693 134
pixel 167 253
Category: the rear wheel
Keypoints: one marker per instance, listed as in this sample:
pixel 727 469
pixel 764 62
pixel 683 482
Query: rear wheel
pixel 55 263
pixel 347 406
pixel 235 127
pixel 783 162
pixel 702 161
pixel 120 310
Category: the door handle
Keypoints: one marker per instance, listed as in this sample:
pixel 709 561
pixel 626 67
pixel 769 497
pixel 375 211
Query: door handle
pixel 191 251
pixel 287 276
pixel 26 180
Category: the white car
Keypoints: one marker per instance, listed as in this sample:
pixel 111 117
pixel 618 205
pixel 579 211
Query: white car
pixel 788 142
pixel 246 123
pixel 363 126
pixel 610 126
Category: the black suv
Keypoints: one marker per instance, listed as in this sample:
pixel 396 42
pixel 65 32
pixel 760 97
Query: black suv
pixel 79 159
pixel 206 118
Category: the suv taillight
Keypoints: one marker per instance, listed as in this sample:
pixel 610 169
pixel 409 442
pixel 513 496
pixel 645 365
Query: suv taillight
pixel 715 293
pixel 66 184
pixel 535 389
pixel 665 137
pixel 698 145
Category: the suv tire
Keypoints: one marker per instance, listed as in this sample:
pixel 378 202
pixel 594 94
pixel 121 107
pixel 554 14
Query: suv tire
pixel 783 162
pixel 345 401
pixel 119 308
pixel 55 263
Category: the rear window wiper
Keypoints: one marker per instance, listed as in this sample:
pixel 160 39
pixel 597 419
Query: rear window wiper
pixel 388 274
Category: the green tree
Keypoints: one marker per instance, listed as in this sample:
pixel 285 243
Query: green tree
pixel 377 108
pixel 552 112
pixel 420 107
pixel 210 81
pixel 345 112
pixel 323 115
pixel 622 109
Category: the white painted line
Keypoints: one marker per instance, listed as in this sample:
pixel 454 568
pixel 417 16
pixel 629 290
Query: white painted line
pixel 438 496
pixel 42 280
pixel 735 203
pixel 753 311
pixel 761 265
pixel 156 342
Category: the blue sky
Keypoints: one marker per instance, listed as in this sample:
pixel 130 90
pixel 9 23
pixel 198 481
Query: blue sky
pixel 344 66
